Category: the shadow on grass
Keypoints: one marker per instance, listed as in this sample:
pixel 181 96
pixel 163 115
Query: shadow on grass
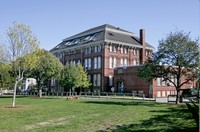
pixel 10 96
pixel 126 103
pixel 174 119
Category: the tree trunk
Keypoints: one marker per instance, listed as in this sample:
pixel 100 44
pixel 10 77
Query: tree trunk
pixel 178 96
pixel 14 93
pixel 39 88
pixel 70 92
pixel 40 93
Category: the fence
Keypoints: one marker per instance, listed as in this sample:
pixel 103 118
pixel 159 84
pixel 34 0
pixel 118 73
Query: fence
pixel 111 95
pixel 2 92
pixel 99 95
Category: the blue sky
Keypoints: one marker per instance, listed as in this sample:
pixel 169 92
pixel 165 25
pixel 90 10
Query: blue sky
pixel 53 20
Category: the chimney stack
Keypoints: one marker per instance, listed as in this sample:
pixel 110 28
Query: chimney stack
pixel 143 43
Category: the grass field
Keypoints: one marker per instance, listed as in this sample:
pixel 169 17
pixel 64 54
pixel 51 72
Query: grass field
pixel 90 115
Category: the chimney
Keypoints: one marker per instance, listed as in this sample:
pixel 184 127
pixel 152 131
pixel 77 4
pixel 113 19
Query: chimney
pixel 142 41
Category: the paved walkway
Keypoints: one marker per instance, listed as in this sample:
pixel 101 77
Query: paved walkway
pixel 172 99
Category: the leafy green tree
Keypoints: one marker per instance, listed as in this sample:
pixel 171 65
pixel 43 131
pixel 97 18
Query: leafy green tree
pixel 74 77
pixel 83 81
pixel 47 66
pixel 177 57
pixel 5 76
pixel 19 51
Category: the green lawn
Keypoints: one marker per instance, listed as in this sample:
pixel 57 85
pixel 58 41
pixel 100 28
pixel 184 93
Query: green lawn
pixel 89 115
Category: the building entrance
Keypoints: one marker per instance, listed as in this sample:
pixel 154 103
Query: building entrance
pixel 120 86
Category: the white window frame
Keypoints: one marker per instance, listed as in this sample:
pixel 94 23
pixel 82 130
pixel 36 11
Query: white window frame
pixel 114 48
pixel 122 50
pixel 125 62
pixel 125 50
pixel 95 63
pixel 111 48
pixel 99 62
pixel 114 62
pixel 110 62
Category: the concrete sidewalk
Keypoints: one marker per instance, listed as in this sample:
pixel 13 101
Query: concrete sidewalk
pixel 171 99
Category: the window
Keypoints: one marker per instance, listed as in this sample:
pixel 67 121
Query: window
pixel 88 63
pixel 110 80
pixel 146 53
pixel 96 80
pixel 95 62
pixel 125 62
pixel 122 50
pixel 99 62
pixel 110 63
pixel 136 51
pixel 125 51
pixel 74 62
pixel 113 62
pixel 158 81
pixel 114 49
pixel 163 93
pixel 134 62
pixel 111 47
pixel 95 49
pixel 88 50
pixel 99 48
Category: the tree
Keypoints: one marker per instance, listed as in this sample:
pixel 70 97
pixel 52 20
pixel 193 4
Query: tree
pixel 19 49
pixel 47 66
pixel 177 57
pixel 74 77
pixel 83 81
pixel 5 77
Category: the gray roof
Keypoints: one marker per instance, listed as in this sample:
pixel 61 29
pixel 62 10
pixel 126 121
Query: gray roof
pixel 104 32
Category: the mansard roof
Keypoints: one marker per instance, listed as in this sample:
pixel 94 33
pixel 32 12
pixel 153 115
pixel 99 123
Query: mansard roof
pixel 103 33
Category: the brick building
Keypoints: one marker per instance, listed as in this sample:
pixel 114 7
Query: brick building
pixel 126 80
pixel 100 50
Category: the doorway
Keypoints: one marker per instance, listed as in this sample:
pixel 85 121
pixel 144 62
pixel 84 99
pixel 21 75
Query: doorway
pixel 120 86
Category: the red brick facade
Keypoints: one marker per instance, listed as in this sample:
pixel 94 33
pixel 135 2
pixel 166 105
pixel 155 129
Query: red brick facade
pixel 132 83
